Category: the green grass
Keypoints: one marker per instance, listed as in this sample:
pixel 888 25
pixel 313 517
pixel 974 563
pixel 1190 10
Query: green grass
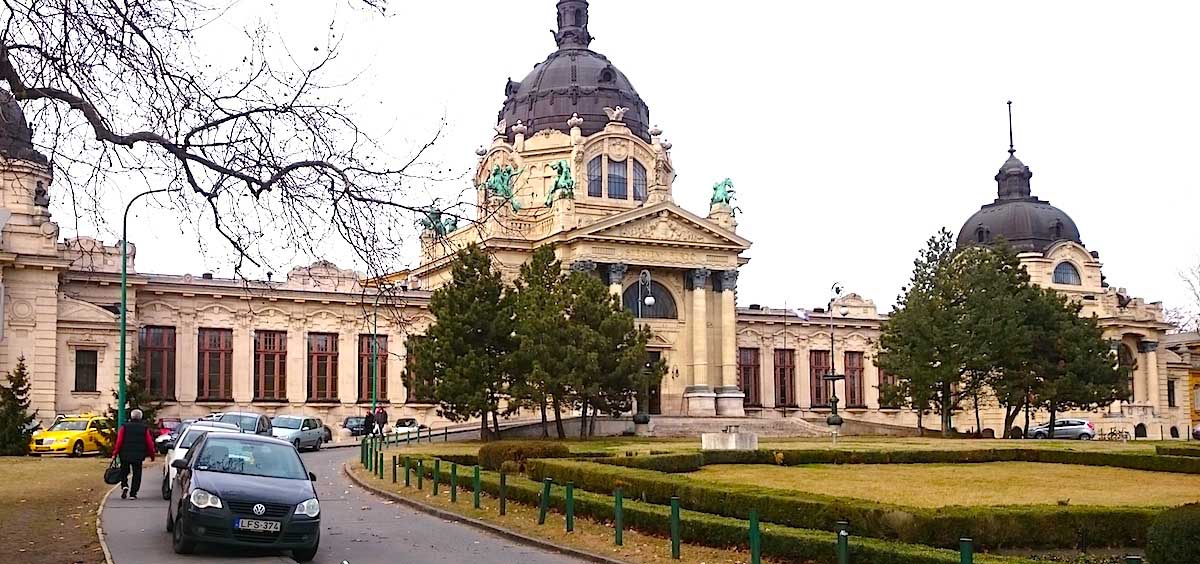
pixel 994 483
pixel 49 509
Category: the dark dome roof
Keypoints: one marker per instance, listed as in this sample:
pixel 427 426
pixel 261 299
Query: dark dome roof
pixel 16 140
pixel 1027 223
pixel 573 80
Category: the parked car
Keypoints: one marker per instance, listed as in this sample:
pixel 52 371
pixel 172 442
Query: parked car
pixel 405 425
pixel 168 424
pixel 1065 429
pixel 246 491
pixel 356 424
pixel 74 436
pixel 248 422
pixel 188 437
pixel 1196 433
pixel 214 416
pixel 302 432
pixel 328 433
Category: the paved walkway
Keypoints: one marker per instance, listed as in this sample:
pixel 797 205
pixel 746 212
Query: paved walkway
pixel 357 528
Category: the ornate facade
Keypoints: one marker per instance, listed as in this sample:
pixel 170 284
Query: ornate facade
pixel 574 162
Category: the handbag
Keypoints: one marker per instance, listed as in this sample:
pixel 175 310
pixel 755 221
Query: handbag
pixel 112 474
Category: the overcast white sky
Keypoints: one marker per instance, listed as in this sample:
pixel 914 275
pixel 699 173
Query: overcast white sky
pixel 852 130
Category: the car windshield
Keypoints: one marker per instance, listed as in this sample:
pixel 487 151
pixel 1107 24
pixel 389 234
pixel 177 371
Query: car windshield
pixel 69 425
pixel 244 422
pixel 406 423
pixel 232 455
pixel 355 420
pixel 168 424
pixel 191 437
pixel 286 422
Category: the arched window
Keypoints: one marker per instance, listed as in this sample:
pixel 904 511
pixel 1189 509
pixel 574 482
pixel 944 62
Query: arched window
pixel 639 182
pixel 1066 273
pixel 596 177
pixel 578 17
pixel 1174 432
pixel 618 186
pixel 664 304
pixel 1139 432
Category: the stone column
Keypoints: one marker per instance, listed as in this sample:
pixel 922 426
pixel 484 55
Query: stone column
pixel 296 377
pixel 1150 359
pixel 730 399
pixel 243 358
pixel 616 278
pixel 186 338
pixel 766 373
pixel 347 365
pixel 699 397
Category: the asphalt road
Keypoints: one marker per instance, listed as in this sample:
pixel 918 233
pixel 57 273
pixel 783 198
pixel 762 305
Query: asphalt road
pixel 356 528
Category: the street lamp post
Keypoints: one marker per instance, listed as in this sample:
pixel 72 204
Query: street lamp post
pixel 834 420
pixel 375 347
pixel 125 301
pixel 642 416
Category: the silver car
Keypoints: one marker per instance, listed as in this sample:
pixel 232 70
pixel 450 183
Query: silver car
pixel 1065 429
pixel 302 432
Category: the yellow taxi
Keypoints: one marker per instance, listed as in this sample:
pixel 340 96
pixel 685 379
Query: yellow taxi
pixel 74 435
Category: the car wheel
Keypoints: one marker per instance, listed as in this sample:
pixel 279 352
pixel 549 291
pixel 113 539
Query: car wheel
pixel 170 521
pixel 1039 435
pixel 166 488
pixel 77 449
pixel 179 541
pixel 1085 437
pixel 317 445
pixel 306 554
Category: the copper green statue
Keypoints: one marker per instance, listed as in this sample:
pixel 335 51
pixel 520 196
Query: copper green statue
pixel 433 221
pixel 723 192
pixel 564 183
pixel 500 183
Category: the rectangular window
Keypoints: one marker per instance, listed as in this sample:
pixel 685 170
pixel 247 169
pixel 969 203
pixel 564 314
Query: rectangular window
pixel 596 177
pixel 639 182
pixel 855 396
pixel 364 368
pixel 215 365
pixel 822 389
pixel 1171 393
pixel 618 186
pixel 785 378
pixel 888 381
pixel 85 370
pixel 270 365
pixel 748 371
pixel 322 366
pixel 157 349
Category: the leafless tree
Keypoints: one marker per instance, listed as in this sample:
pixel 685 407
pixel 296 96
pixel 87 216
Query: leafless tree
pixel 264 152
pixel 1187 318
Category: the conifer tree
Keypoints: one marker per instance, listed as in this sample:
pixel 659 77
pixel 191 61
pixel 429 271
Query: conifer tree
pixel 15 418
pixel 541 335
pixel 137 395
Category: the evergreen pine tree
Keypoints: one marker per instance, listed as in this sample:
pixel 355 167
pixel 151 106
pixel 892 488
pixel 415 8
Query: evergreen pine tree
pixel 137 395
pixel 15 418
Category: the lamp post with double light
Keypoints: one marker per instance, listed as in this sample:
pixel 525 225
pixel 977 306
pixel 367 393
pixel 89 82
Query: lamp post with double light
pixel 834 420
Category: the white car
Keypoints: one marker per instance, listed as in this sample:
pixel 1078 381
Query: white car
pixel 185 441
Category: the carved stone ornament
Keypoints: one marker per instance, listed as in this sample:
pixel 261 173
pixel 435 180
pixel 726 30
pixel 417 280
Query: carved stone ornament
pixel 519 128
pixel 655 131
pixel 616 114
pixel 700 277
pixel 583 266
pixel 616 272
pixel 729 280
pixel 618 150
pixel 575 121
pixel 662 228
pixel 501 127
pixel 481 151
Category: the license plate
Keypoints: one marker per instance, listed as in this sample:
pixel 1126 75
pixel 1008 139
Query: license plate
pixel 257 526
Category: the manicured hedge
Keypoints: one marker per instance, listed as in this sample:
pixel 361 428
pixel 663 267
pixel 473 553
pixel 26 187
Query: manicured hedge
pixel 783 544
pixel 1037 526
pixel 492 455
pixel 1178 450
pixel 1175 536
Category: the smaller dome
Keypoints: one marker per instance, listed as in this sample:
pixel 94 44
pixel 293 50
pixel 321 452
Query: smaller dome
pixel 1027 223
pixel 16 139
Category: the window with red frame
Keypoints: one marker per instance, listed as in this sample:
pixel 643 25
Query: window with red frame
pixel 822 389
pixel 855 388
pixel 785 378
pixel 215 365
pixel 156 347
pixel 270 365
pixel 322 366
pixel 364 368
pixel 748 374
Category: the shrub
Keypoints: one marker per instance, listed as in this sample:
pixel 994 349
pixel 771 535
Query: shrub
pixel 1178 451
pixel 492 455
pixel 1174 536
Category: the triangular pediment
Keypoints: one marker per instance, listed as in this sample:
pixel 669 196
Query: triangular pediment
pixel 79 311
pixel 664 223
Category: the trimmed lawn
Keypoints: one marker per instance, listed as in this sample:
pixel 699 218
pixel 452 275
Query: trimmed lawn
pixel 993 483
pixel 50 509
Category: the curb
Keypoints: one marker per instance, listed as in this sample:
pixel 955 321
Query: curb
pixel 483 525
pixel 108 559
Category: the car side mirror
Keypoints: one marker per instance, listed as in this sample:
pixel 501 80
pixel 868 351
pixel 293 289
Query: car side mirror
pixel 312 477
pixel 179 464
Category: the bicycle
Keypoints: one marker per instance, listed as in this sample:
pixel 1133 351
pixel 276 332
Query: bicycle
pixel 1117 435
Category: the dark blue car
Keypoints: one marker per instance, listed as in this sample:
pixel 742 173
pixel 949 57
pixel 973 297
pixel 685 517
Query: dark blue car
pixel 244 490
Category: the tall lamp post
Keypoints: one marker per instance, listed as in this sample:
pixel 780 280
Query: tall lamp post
pixel 379 288
pixel 125 301
pixel 645 296
pixel 834 420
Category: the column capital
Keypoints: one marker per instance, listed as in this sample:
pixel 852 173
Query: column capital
pixel 1147 346
pixel 616 272
pixel 583 266
pixel 699 278
pixel 729 280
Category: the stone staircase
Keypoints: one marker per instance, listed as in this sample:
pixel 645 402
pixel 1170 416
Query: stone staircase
pixel 666 426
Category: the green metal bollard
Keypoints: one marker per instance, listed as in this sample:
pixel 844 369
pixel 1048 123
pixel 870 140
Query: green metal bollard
pixel 570 506
pixel 619 517
pixel 408 438
pixel 1131 559
pixel 379 466
pixel 843 542
pixel 407 472
pixel 966 550
pixel 453 482
pixel 445 434
pixel 420 474
pixel 503 493
pixel 544 503
pixel 755 538
pixel 675 527
pixel 395 463
pixel 362 452
pixel 437 471
pixel 476 483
